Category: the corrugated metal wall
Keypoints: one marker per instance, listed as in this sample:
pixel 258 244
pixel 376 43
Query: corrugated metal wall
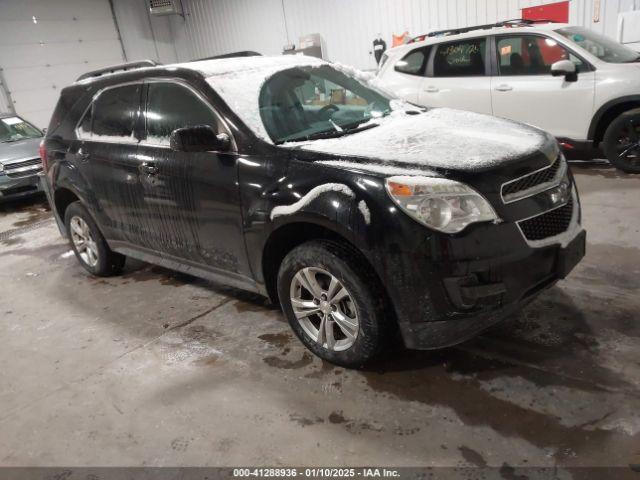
pixel 213 27
pixel 144 36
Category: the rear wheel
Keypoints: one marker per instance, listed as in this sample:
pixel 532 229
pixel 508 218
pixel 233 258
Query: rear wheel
pixel 89 245
pixel 621 142
pixel 332 303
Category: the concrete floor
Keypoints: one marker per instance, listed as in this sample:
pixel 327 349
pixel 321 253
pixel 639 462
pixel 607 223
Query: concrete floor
pixel 157 368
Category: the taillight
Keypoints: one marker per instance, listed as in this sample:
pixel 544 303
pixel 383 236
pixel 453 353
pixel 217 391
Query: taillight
pixel 43 157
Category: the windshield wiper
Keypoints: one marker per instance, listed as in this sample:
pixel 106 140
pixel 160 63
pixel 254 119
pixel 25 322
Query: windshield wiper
pixel 346 130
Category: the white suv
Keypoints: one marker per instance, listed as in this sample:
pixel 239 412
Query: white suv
pixel 580 86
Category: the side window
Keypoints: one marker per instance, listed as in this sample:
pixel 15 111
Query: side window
pixel 171 106
pixel 84 129
pixel 414 62
pixel 115 112
pixel 531 55
pixel 460 59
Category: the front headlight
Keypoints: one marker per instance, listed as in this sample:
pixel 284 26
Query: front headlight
pixel 438 203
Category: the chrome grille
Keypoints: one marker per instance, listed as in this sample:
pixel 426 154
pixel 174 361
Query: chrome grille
pixel 23 168
pixel 548 224
pixel 534 182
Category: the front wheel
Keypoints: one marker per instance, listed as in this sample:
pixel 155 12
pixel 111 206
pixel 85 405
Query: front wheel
pixel 332 303
pixel 621 142
pixel 89 245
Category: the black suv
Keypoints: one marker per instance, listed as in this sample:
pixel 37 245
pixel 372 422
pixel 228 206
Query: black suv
pixel 362 215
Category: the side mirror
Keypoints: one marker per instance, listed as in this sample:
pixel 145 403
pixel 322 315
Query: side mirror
pixel 200 138
pixel 565 68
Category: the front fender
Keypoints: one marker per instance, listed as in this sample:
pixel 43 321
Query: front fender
pixel 339 206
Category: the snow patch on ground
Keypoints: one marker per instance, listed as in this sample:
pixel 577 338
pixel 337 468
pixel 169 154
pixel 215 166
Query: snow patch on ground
pixel 629 426
pixel 572 407
pixel 311 196
pixel 364 210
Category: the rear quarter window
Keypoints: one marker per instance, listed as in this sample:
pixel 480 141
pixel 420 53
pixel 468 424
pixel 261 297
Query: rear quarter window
pixel 414 62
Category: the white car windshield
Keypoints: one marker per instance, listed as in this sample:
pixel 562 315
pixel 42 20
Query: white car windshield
pixel 600 46
pixel 13 129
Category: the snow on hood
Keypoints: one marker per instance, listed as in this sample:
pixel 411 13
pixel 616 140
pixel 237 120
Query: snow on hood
pixel 239 82
pixel 440 138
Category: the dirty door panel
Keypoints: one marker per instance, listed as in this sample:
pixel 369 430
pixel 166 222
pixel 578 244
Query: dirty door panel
pixel 192 201
pixel 105 154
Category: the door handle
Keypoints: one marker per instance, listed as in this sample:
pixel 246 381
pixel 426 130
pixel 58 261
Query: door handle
pixel 432 89
pixel 504 88
pixel 148 168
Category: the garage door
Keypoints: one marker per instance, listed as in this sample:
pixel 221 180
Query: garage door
pixel 46 45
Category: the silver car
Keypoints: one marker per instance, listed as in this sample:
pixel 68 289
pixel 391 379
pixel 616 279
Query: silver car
pixel 19 157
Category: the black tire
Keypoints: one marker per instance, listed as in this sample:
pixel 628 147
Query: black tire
pixel 622 134
pixel 347 266
pixel 108 263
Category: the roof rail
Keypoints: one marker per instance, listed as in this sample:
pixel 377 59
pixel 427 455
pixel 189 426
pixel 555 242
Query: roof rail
pixel 515 22
pixel 123 67
pixel 244 53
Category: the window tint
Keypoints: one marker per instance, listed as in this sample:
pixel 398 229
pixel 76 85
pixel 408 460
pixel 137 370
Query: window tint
pixel 460 59
pixel 171 106
pixel 319 102
pixel 15 128
pixel 531 55
pixel 602 47
pixel 85 126
pixel 115 112
pixel 414 62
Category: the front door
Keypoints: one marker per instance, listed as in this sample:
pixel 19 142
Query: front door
pixel 192 200
pixel 457 77
pixel 524 89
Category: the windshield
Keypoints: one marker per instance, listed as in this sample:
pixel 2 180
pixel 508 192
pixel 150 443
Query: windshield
pixel 600 46
pixel 304 103
pixel 13 129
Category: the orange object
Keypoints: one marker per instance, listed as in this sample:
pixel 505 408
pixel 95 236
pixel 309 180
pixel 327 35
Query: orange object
pixel 399 39
pixel 400 189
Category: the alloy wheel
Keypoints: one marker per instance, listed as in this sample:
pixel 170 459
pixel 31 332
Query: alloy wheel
pixel 324 308
pixel 628 144
pixel 83 241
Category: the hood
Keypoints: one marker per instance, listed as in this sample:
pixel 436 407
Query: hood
pixel 440 138
pixel 19 150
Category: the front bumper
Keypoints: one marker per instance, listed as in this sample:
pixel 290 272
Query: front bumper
pixel 483 297
pixel 13 188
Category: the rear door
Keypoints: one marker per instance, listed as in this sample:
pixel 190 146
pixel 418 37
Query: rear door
pixel 105 153
pixel 458 76
pixel 191 199
pixel 524 90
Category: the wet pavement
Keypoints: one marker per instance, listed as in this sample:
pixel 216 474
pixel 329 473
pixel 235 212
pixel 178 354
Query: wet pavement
pixel 159 368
